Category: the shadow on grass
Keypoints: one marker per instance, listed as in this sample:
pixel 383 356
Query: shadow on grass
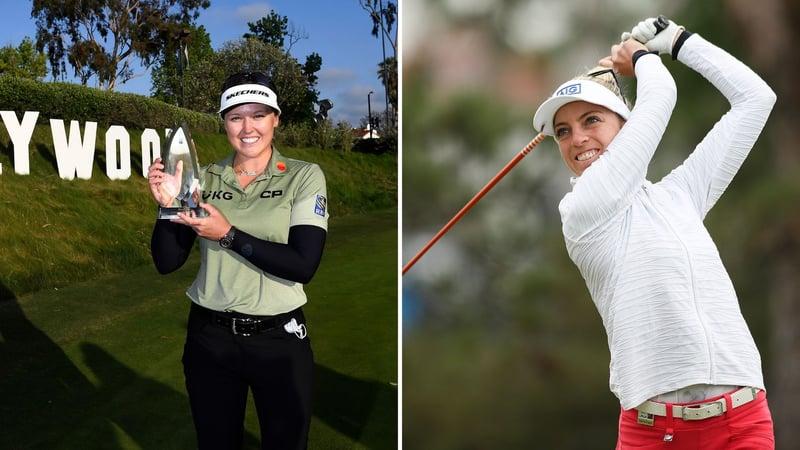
pixel 346 403
pixel 149 413
pixel 38 382
pixel 49 401
pixel 48 155
pixel 6 150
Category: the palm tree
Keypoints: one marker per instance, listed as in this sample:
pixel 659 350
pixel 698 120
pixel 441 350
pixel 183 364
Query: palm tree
pixel 387 72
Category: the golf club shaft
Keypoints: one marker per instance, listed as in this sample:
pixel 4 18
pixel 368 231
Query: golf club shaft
pixel 527 149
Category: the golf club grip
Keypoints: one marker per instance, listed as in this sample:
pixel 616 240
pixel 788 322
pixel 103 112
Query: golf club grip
pixel 527 149
pixel 661 23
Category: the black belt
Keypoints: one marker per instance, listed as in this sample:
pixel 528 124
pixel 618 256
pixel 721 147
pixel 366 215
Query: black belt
pixel 242 324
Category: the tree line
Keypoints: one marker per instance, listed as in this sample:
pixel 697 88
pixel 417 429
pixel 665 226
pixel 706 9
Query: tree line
pixel 107 42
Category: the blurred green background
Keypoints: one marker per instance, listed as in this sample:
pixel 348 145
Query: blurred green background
pixel 502 346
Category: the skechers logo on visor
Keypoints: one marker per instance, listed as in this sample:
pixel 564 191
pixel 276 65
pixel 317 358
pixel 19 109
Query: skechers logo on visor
pixel 572 89
pixel 246 92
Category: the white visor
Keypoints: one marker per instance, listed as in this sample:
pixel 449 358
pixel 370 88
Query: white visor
pixel 575 90
pixel 248 93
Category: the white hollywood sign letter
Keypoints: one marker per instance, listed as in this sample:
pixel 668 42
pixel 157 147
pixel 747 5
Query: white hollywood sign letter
pixel 151 148
pixel 74 157
pixel 117 134
pixel 20 134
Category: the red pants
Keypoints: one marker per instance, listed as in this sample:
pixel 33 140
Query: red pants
pixel 747 427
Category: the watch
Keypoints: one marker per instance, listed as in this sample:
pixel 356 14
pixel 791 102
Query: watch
pixel 227 240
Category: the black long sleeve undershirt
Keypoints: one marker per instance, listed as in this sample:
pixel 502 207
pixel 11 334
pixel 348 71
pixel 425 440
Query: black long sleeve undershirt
pixel 170 245
pixel 296 260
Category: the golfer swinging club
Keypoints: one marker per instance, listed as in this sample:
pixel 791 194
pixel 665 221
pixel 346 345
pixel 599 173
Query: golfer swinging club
pixel 683 363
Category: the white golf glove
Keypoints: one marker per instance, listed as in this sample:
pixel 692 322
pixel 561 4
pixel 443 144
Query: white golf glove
pixel 657 34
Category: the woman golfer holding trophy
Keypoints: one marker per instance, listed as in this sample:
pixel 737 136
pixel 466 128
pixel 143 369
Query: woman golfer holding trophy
pixel 683 363
pixel 260 241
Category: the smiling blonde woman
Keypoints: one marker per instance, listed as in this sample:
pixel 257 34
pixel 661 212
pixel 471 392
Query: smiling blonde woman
pixel 683 364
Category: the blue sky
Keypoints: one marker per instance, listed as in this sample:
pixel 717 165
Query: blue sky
pixel 339 31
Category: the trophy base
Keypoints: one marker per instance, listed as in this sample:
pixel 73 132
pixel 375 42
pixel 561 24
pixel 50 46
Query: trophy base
pixel 172 212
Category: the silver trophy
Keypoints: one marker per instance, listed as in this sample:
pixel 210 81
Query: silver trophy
pixel 182 186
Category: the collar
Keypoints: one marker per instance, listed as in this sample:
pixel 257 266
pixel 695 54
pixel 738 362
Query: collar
pixel 278 166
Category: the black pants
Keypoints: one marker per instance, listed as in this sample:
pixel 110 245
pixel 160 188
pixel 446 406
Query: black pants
pixel 220 367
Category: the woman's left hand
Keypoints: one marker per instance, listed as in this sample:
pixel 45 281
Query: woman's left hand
pixel 211 227
pixel 621 57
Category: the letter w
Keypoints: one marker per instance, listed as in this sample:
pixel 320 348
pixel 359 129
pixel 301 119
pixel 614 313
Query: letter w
pixel 74 157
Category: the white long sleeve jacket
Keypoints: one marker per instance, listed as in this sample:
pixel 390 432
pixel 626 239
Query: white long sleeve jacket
pixel 655 275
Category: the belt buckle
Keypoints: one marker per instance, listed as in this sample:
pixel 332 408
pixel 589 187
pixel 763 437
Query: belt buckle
pixel 241 321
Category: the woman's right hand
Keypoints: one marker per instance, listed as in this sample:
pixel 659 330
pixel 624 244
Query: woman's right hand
pixel 621 58
pixel 162 184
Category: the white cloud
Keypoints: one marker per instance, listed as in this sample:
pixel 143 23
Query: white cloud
pixel 335 77
pixel 350 102
pixel 252 12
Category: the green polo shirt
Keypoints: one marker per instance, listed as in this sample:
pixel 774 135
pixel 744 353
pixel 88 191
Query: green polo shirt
pixel 288 193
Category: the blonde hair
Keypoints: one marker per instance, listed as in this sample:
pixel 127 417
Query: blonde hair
pixel 606 78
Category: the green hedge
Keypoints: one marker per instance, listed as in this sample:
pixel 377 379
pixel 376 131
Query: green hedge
pixel 75 102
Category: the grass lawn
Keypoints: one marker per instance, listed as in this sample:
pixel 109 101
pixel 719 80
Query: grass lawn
pixel 96 365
